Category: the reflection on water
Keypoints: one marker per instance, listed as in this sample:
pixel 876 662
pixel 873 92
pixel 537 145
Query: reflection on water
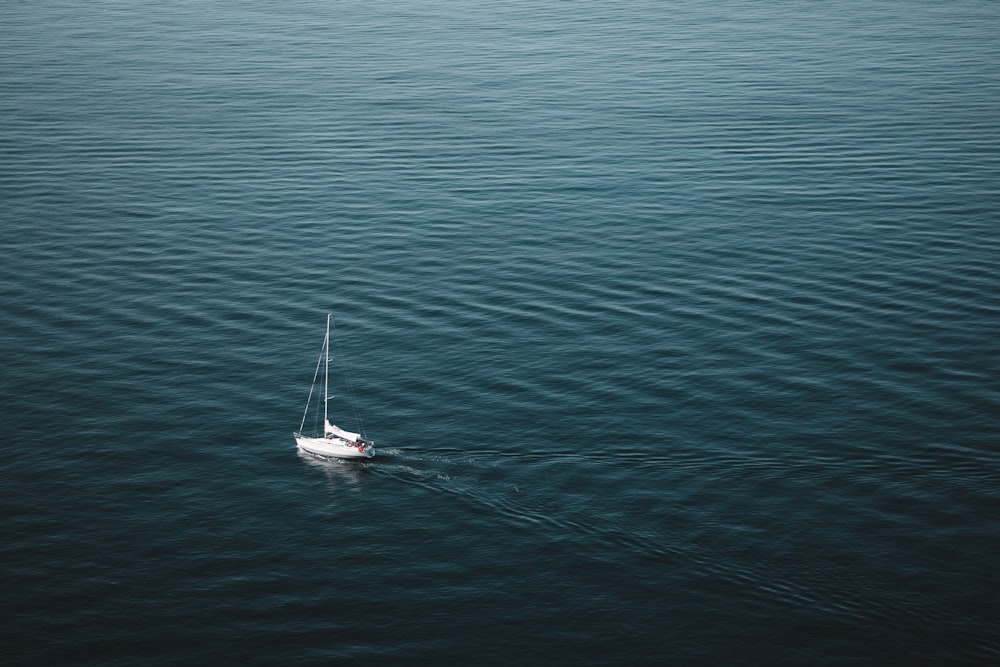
pixel 341 474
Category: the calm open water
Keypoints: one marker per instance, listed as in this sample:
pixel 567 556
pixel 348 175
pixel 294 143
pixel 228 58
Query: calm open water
pixel 676 323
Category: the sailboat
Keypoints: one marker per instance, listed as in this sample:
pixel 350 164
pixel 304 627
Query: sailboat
pixel 333 442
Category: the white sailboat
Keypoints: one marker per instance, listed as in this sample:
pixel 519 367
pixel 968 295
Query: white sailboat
pixel 333 442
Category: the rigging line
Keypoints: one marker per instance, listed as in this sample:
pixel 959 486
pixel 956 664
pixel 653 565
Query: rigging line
pixel 350 382
pixel 311 387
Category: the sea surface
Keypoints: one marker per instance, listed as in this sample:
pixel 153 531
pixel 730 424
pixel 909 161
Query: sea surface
pixel 676 324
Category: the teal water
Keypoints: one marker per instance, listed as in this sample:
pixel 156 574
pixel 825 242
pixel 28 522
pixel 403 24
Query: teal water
pixel 675 324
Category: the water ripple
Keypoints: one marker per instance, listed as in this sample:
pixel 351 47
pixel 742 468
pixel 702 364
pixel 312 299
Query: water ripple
pixel 675 329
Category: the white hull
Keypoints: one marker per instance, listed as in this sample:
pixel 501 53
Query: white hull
pixel 334 447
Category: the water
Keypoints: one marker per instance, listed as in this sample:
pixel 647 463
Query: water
pixel 675 323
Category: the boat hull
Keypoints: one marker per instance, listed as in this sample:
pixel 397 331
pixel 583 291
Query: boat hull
pixel 334 448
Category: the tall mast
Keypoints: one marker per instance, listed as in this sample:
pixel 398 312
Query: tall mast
pixel 326 373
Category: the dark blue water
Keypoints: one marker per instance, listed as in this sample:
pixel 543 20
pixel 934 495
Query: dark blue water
pixel 676 325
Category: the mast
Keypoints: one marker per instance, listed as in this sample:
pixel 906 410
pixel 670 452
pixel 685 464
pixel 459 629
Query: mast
pixel 326 374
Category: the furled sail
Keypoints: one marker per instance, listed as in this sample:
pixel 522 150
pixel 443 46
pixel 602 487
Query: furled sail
pixel 341 433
